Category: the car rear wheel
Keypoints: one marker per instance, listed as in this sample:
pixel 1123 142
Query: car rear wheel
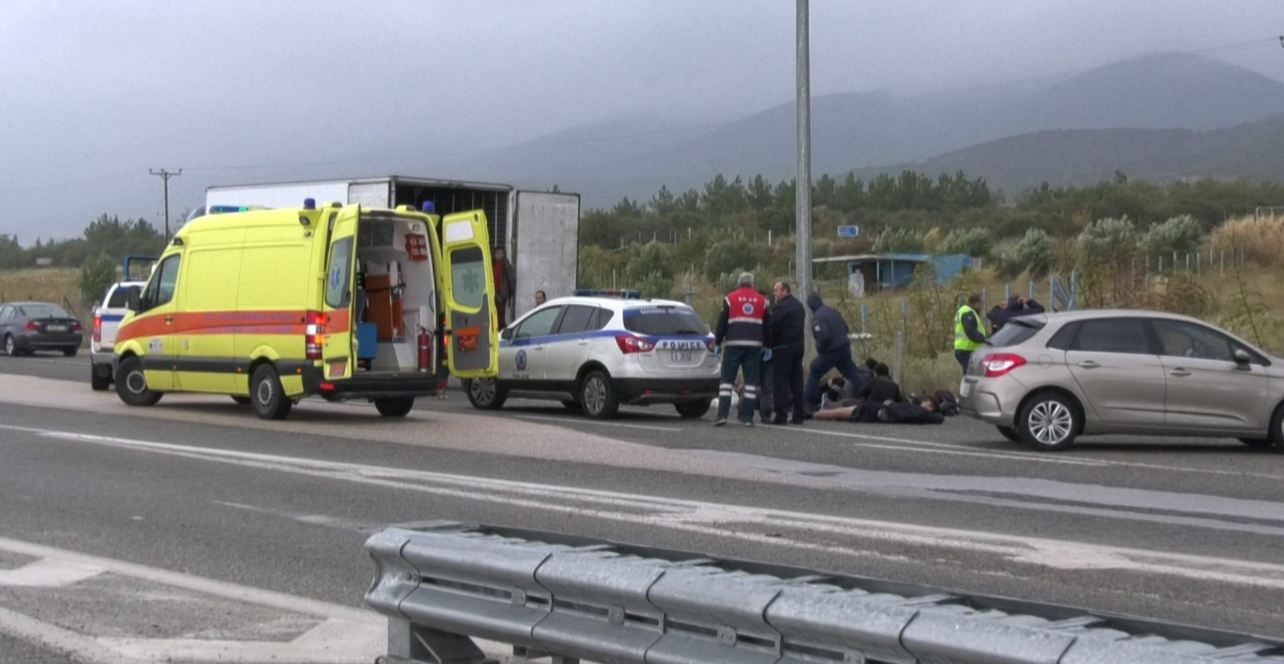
pixel 596 396
pixel 100 377
pixel 394 406
pixel 1049 421
pixel 268 397
pixel 693 409
pixel 71 351
pixel 485 393
pixel 1010 433
pixel 131 384
pixel 10 346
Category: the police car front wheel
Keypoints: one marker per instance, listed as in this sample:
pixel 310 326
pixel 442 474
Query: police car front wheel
pixel 485 393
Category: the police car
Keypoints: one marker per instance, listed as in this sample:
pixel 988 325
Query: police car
pixel 597 353
pixel 107 319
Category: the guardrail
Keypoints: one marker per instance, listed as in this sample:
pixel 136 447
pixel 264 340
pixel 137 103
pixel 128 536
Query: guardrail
pixel 441 584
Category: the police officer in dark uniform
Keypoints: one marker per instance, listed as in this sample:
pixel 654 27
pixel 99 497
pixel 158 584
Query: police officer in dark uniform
pixel 741 333
pixel 787 332
pixel 833 349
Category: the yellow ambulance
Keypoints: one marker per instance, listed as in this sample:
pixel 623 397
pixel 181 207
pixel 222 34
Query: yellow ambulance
pixel 270 306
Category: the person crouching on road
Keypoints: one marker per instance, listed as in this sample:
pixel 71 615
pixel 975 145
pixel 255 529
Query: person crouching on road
pixel 833 350
pixel 969 331
pixel 741 334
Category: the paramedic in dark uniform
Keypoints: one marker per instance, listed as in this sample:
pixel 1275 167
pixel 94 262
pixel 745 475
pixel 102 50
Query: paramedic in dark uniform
pixel 741 334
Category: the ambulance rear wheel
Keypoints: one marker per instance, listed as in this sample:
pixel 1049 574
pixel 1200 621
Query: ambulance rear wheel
pixel 394 406
pixel 131 384
pixel 267 395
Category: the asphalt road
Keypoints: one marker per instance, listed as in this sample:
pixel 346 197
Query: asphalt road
pixel 1180 530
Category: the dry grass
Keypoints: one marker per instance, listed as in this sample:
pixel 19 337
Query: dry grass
pixel 52 284
pixel 1261 240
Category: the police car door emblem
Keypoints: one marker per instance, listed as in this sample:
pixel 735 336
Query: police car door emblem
pixel 521 360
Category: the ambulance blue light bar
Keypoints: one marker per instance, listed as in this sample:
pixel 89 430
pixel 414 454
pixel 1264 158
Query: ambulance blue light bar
pixel 224 209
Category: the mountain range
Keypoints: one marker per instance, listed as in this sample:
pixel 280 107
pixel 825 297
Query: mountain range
pixel 1160 117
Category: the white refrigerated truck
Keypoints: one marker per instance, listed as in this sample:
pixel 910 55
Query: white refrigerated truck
pixel 539 230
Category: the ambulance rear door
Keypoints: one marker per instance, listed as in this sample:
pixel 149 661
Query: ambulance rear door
pixel 467 284
pixel 339 301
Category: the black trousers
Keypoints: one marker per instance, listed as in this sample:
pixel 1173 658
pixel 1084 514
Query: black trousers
pixel 787 381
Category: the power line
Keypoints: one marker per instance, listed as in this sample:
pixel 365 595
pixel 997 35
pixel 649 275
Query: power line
pixel 165 176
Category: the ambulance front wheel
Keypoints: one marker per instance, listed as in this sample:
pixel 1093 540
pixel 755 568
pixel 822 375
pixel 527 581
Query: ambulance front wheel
pixel 269 400
pixel 394 406
pixel 131 384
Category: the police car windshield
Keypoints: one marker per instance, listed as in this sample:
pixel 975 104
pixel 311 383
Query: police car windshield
pixel 664 320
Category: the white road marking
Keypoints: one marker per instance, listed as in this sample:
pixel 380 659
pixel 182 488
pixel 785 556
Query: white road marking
pixel 311 519
pixel 83 649
pixel 723 520
pixel 334 641
pixel 344 635
pixel 968 449
pixel 49 573
pixel 600 423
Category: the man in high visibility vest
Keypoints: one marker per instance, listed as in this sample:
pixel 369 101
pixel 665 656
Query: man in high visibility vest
pixel 741 334
pixel 969 331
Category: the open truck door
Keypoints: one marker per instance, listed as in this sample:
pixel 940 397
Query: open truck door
pixel 467 282
pixel 339 301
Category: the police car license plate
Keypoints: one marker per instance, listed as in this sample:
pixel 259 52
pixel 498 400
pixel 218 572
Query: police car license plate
pixel 55 328
pixel 683 356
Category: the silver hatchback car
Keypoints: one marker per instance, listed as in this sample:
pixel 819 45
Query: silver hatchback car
pixel 1046 379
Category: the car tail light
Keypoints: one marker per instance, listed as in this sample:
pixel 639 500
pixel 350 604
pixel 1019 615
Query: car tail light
pixel 999 364
pixel 98 329
pixel 711 345
pixel 30 326
pixel 76 326
pixel 314 334
pixel 631 344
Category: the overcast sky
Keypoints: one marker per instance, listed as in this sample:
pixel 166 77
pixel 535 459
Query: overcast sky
pixel 92 94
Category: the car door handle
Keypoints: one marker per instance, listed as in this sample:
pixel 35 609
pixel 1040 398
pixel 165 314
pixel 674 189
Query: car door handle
pixel 1179 372
pixel 1089 364
pixel 169 320
pixel 581 343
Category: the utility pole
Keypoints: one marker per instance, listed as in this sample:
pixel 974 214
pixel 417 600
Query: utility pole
pixel 802 188
pixel 166 175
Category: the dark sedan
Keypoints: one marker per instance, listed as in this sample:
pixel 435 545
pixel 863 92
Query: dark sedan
pixel 26 327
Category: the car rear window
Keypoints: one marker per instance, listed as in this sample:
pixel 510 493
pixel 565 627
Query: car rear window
pixel 664 321
pixel 1017 331
pixel 44 311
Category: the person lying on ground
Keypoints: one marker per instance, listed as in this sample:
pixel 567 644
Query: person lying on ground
pixel 887 412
